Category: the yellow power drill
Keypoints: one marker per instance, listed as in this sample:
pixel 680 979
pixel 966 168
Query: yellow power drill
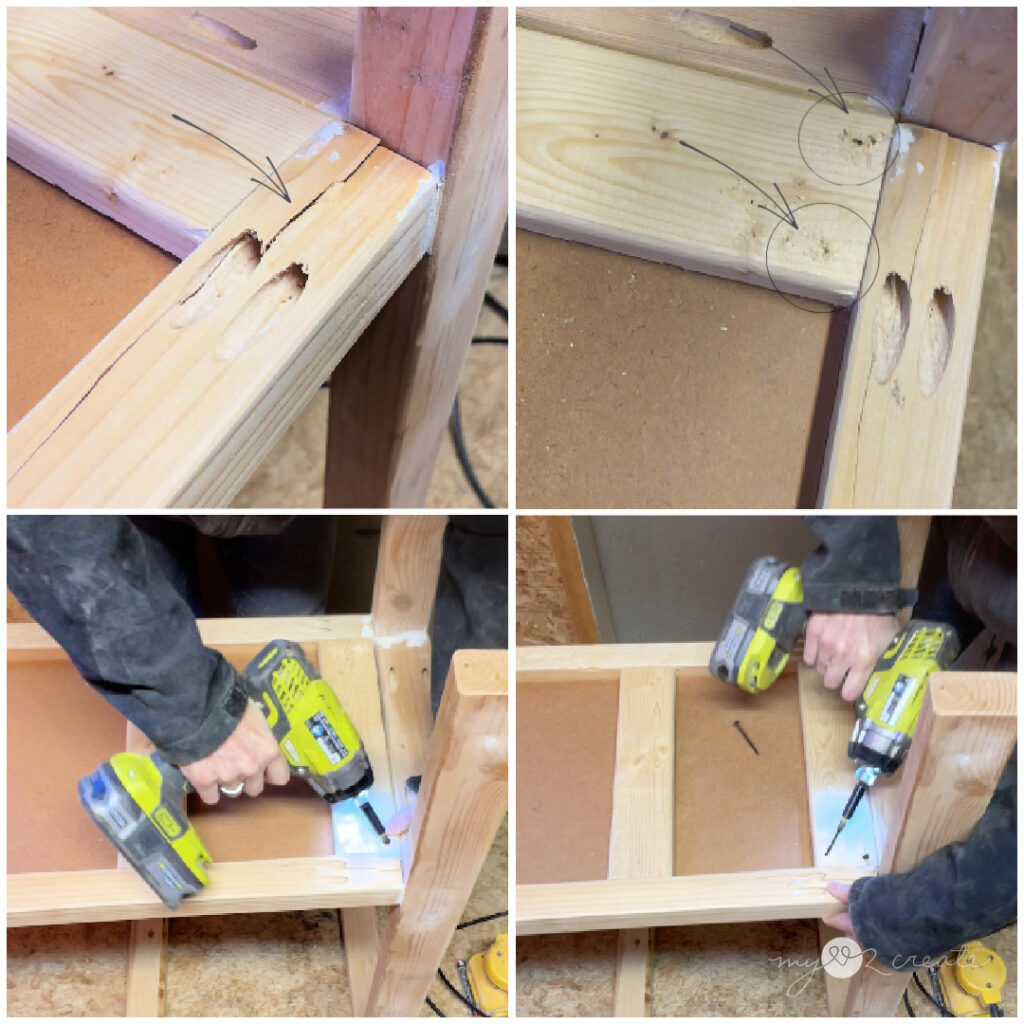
pixel 760 632
pixel 137 800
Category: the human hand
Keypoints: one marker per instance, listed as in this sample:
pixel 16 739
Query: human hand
pixel 841 921
pixel 401 821
pixel 843 648
pixel 247 756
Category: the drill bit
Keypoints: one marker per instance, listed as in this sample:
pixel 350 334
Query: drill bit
pixel 851 805
pixel 371 816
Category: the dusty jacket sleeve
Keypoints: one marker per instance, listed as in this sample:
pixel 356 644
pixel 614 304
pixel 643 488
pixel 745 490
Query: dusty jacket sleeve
pixel 961 892
pixel 89 582
pixel 856 567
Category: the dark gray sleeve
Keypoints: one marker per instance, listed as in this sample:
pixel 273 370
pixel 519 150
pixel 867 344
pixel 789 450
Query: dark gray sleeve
pixel 856 567
pixel 90 583
pixel 963 891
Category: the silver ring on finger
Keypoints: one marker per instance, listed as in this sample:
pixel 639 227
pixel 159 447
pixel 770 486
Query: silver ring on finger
pixel 233 790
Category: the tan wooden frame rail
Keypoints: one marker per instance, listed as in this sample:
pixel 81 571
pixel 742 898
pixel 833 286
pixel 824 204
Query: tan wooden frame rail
pixel 178 404
pixel 385 660
pixel 916 812
pixel 592 167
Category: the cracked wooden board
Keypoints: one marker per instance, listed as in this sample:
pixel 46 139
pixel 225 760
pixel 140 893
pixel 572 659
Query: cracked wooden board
pixel 599 161
pixel 89 105
pixel 179 403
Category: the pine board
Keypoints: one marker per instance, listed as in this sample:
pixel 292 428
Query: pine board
pixel 599 160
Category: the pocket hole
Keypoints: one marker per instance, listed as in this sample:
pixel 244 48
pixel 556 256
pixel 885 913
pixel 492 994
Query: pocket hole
pixel 232 264
pixel 263 311
pixel 892 318
pixel 938 341
pixel 218 32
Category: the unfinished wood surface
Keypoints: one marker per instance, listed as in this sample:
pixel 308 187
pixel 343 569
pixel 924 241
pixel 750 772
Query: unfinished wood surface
pixel 599 160
pixel 306 51
pixel 255 886
pixel 718 812
pixel 434 83
pixel 866 49
pixel 641 839
pixel 362 947
pixel 567 558
pixel 89 105
pixel 565 771
pixel 896 432
pixel 408 564
pixel 620 394
pixel 57 251
pixel 184 398
pixel 147 968
pixel 462 800
pixel 685 899
pixel 538 664
pixel 965 77
pixel 965 734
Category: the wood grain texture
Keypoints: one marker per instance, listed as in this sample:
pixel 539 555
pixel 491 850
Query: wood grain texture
pixel 965 734
pixel 89 109
pixel 390 404
pixel 896 429
pixel 565 663
pixel 183 399
pixel 407 569
pixel 965 77
pixel 599 161
pixel 304 51
pixel 642 813
pixel 866 49
pixel 684 899
pixel 362 947
pixel 147 968
pixel 567 558
pixel 462 800
pixel 255 886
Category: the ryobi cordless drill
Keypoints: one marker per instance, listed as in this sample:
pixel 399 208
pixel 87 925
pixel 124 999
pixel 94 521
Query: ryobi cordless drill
pixel 760 632
pixel 137 800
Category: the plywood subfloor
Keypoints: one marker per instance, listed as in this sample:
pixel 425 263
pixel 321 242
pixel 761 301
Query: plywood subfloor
pixel 640 385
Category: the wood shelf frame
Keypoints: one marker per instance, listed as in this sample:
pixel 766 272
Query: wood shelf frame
pixel 599 162
pixel 645 896
pixel 383 679
pixel 178 405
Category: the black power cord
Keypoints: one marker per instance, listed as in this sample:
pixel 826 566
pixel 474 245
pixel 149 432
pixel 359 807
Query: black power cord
pixel 473 1008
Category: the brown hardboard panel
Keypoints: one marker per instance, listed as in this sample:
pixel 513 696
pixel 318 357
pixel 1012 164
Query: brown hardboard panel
pixel 58 730
pixel 565 772
pixel 72 276
pixel 737 810
pixel 644 385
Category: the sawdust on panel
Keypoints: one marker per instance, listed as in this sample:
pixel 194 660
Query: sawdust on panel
pixel 726 819
pixel 565 975
pixel 543 612
pixel 565 769
pixel 77 970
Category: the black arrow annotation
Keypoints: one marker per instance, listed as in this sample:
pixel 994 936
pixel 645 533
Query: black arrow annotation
pixel 783 212
pixel 277 186
pixel 835 98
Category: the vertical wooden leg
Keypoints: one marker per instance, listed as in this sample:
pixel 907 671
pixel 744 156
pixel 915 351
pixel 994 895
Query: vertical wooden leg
pixel 461 803
pixel 362 945
pixel 408 564
pixel 964 736
pixel 632 972
pixel 431 83
pixel 147 968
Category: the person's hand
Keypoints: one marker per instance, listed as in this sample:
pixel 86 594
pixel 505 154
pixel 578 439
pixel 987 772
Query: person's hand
pixel 841 921
pixel 248 755
pixel 843 648
pixel 400 822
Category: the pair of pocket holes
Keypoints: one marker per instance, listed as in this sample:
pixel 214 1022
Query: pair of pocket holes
pixel 892 321
pixel 225 273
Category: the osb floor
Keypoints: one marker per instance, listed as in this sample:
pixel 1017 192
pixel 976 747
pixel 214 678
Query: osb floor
pixel 292 474
pixel 244 965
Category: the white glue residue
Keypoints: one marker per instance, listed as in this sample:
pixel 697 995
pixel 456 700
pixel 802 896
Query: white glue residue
pixel 331 130
pixel 920 167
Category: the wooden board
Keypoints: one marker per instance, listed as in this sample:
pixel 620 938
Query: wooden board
pixel 636 385
pixel 565 757
pixel 599 160
pixel 247 328
pixel 72 276
pixel 737 810
pixel 305 51
pixel 868 49
pixel 896 435
pixel 89 105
